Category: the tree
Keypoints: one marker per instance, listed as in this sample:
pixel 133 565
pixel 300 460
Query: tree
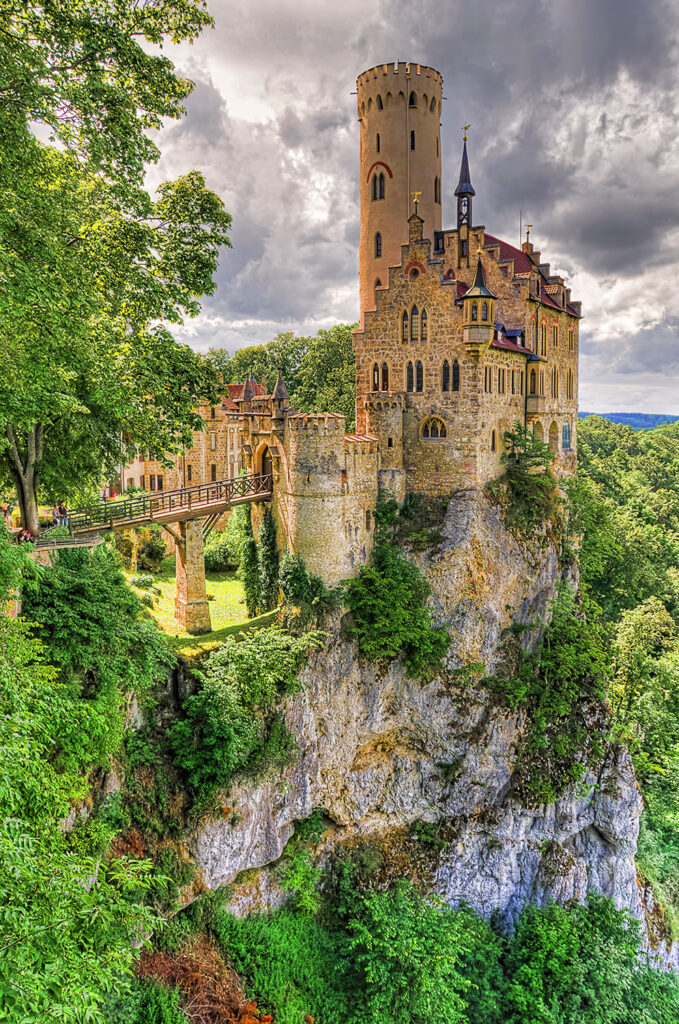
pixel 327 374
pixel 268 563
pixel 91 267
pixel 249 564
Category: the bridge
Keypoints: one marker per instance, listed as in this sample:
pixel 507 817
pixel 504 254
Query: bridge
pixel 184 508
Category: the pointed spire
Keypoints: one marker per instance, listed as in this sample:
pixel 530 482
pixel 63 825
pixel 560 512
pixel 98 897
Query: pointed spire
pixel 280 392
pixel 479 288
pixel 464 185
pixel 247 390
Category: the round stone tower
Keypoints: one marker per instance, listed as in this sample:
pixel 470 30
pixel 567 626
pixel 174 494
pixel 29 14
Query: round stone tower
pixel 399 113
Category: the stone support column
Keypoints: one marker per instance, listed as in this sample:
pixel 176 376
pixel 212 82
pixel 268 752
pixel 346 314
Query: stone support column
pixel 191 608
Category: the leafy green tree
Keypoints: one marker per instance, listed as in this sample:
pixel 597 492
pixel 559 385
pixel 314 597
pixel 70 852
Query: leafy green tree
pixel 326 380
pixel 530 482
pixel 268 563
pixel 249 564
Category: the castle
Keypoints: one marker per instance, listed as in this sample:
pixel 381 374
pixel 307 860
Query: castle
pixel 461 336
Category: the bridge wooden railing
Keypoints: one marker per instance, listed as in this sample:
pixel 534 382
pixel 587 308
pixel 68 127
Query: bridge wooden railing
pixel 171 506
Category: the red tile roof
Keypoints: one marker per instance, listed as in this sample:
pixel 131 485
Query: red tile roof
pixel 522 262
pixel 510 346
pixel 360 437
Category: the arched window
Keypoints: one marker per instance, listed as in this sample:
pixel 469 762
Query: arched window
pixel 533 383
pixel 475 311
pixel 379 102
pixel 385 377
pixel 410 378
pixel 437 190
pixel 378 244
pixel 412 140
pixel 569 385
pixel 375 187
pixel 554 437
pixel 419 376
pixel 456 376
pixel 381 186
pixel 404 326
pixel 432 105
pixel 555 383
pixel 414 324
pixel 566 437
pixel 484 310
pixel 377 142
pixel 538 430
pixel 433 429
pixel 445 376
pixel 493 440
pixel 376 378
pixel 543 339
pixel 424 325
pixel 412 102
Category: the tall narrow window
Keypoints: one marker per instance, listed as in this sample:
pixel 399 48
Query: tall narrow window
pixel 377 142
pixel 570 339
pixel 555 384
pixel 484 310
pixel 513 383
pixel 213 473
pixel 493 441
pixel 445 376
pixel 521 383
pixel 432 108
pixel 533 383
pixel 189 473
pixel 437 190
pixel 543 339
pixel 374 186
pixel 381 186
pixel 376 377
pixel 404 326
pixel 212 412
pixel 410 379
pixel 412 102
pixel 380 105
pixel 419 376
pixel 488 380
pixel 424 325
pixel 566 437
pixel 378 244
pixel 412 140
pixel 475 311
pixel 555 335
pixel 414 324
pixel 213 442
pixel 385 377
pixel 159 483
pixel 456 376
pixel 501 381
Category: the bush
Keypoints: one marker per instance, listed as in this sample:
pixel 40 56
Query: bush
pixel 301 878
pixel 152 552
pixel 222 550
pixel 142 582
pixel 531 485
pixel 305 590
pixel 232 723
pixel 146 1003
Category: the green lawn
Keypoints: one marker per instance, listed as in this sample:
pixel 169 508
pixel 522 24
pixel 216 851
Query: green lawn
pixel 227 608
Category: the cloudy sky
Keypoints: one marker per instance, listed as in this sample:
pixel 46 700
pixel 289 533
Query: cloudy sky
pixel 574 106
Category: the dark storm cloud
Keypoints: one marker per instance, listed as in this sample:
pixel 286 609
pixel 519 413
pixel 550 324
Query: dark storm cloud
pixel 574 111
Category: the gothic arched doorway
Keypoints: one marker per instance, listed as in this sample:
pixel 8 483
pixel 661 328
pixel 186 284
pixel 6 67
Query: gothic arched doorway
pixel 267 462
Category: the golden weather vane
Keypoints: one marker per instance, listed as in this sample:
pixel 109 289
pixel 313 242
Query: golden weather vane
pixel 465 129
pixel 416 198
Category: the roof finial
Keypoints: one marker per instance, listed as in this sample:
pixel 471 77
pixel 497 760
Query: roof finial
pixel 528 227
pixel 465 129
pixel 416 199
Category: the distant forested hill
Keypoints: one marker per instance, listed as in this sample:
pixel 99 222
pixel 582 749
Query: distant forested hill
pixel 636 420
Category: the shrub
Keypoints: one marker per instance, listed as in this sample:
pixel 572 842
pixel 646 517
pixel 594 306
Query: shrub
pixel 145 1003
pixel 152 552
pixel 232 724
pixel 429 833
pixel 142 582
pixel 301 878
pixel 222 550
pixel 305 590
pixel 531 485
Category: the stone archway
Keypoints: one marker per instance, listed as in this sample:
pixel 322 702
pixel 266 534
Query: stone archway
pixel 539 432
pixel 554 437
pixel 266 461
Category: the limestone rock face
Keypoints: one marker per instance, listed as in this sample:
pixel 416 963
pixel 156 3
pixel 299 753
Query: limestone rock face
pixel 374 744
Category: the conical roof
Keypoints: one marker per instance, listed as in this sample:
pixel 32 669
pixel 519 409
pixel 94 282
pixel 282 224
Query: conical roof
pixel 478 290
pixel 464 185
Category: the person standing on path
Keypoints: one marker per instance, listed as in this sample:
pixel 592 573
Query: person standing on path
pixel 63 513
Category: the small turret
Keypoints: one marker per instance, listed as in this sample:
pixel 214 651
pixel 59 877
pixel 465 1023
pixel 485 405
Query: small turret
pixel 479 309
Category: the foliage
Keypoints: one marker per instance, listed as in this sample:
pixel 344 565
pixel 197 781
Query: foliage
pixel 388 602
pixel 142 582
pixel 531 489
pixel 92 266
pixel 562 683
pixel 310 829
pixel 268 563
pixel 222 550
pixel 305 590
pixel 85 933
pixel 249 563
pixel 429 833
pixel 227 723
pixel 301 878
pixel 146 1003
pixel 319 372
pixel 151 553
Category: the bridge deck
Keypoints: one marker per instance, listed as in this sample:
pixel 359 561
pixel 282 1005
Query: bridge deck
pixel 172 506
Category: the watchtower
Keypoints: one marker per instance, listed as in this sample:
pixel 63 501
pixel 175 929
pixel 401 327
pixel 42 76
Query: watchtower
pixel 399 113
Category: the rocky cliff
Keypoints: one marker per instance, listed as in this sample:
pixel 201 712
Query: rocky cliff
pixel 380 751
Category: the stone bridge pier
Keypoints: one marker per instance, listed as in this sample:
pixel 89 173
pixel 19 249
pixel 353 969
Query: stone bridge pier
pixel 191 608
